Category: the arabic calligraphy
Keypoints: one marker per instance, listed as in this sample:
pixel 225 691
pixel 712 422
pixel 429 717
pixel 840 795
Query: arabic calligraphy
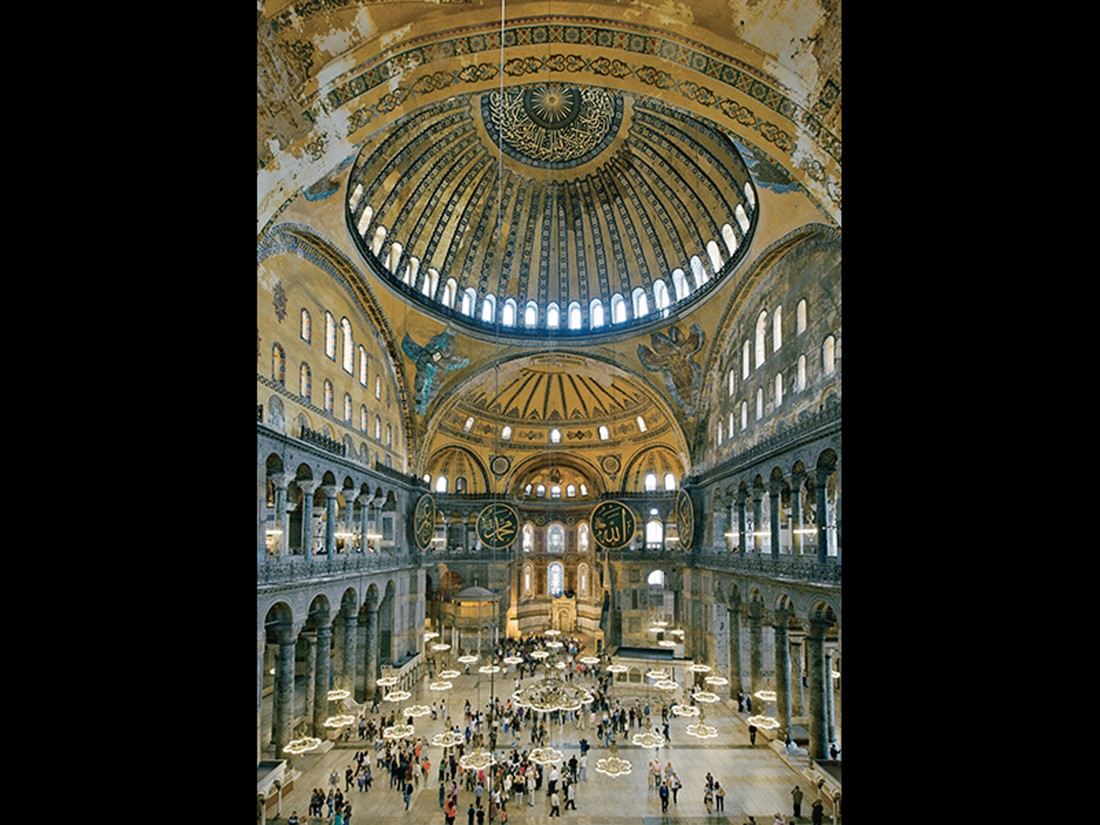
pixel 497 526
pixel 424 522
pixel 685 520
pixel 613 525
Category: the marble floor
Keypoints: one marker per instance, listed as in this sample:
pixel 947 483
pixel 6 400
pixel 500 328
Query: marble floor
pixel 758 779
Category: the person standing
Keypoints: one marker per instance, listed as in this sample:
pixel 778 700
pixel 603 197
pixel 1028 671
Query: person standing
pixel 408 793
pixel 719 797
pixel 555 803
pixel 817 811
pixel 740 701
pixel 470 813
pixel 796 798
pixel 674 785
pixel 531 788
pixel 752 734
pixel 583 763
pixel 708 799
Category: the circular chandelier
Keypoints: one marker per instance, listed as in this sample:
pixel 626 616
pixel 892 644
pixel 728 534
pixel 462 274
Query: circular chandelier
pixel 449 674
pixel 699 668
pixel 555 645
pixel 441 685
pixel 701 729
pixel 665 684
pixel 398 732
pixel 764 722
pixel 416 711
pixel 667 643
pixel 539 654
pixel 468 659
pixel 548 695
pixel 429 635
pixel 477 760
pixel 513 660
pixel 648 739
pixel 546 756
pixel 387 681
pixel 489 669
pixel 765 695
pixel 660 624
pixel 613 766
pixel 685 710
pixel 303 745
pixel 677 632
pixel 341 721
pixel 448 739
pixel 338 695
pixel 397 696
pixel 589 660
pixel 552 632
pixel 653 673
pixel 441 646
pixel 617 668
pixel 717 681
pixel 705 696
pixel 656 629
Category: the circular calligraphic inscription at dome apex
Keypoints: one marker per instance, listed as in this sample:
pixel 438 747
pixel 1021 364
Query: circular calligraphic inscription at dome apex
pixel 613 525
pixel 497 526
pixel 552 105
pixel 424 522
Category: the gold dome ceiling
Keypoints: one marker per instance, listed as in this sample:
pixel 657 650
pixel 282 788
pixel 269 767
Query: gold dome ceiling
pixel 565 211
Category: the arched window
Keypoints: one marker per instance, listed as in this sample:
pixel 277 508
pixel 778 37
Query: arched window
pixel 433 276
pixel 719 433
pixel 761 334
pixel 328 396
pixel 555 436
pixel 618 309
pixel 363 417
pixel 531 315
pixel 777 329
pixel 362 365
pixel 489 309
pixel 412 274
pixel 347 408
pixel 759 403
pixel 651 482
pixel 554 579
pixel 571 491
pixel 680 284
pixel 778 389
pixel 555 538
pixel 742 218
pixel 730 430
pixel 582 578
pixel 604 432
pixel 715 256
pixel 441 484
pixel 460 484
pixel 469 425
pixel 697 271
pixel 527 490
pixel 508 314
pixel 582 536
pixel 555 491
pixel 377 427
pixel 595 313
pixel 468 298
pixel 526 577
pixel 654 533
pixel 584 489
pixel 641 424
pixel 670 481
pixel 750 195
pixel 800 384
pixel 450 291
pixel 378 387
pixel 306 327
pixel 389 435
pixel 800 323
pixel 730 381
pixel 574 315
pixel 828 355
pixel 528 536
pixel 378 240
pixel 745 359
pixel 330 336
pixel 278 365
pixel 641 305
pixel 349 347
pixel 364 221
pixel 656 578
pixel 305 383
pixel 395 257
pixel 553 316
pixel 744 415
pixel 730 237
pixel 505 433
pixel 540 491
pixel 660 297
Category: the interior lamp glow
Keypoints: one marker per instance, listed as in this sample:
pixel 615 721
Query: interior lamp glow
pixel 442 685
pixel 765 695
pixel 589 660
pixel 552 632
pixel 489 669
pixel 398 732
pixel 449 674
pixel 477 760
pixel 513 660
pixel 397 696
pixel 613 766
pixel 555 645
pixel 699 668
pixel 539 654
pixel 448 739
pixel 705 696
pixel 764 722
pixel 546 756
pixel 338 695
pixel 341 721
pixel 685 710
pixel 617 668
pixel 304 745
pixel 468 659
pixel 666 684
pixel 416 711
pixel 648 739
pixel 387 681
pixel 441 646
pixel 667 643
pixel 717 681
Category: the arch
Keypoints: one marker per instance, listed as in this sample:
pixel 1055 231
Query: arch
pixel 348 346
pixel 555 578
pixel 489 309
pixel 531 315
pixel 450 292
pixel 730 238
pixel 680 284
pixel 640 303
pixel 330 335
pixel 660 297
pixel 698 273
pixel 469 298
pixel 574 315
pixel 278 365
pixel 305 382
pixel 305 326
pixel 618 309
pixel 595 314
pixel 528 537
pixel 800 317
pixel 583 534
pixel 715 256
pixel 800 383
pixel 553 316
pixel 508 313
pixel 828 355
pixel 654 534
pixel 761 335
pixel 656 578
pixel 362 365
pixel 555 538
pixel 777 329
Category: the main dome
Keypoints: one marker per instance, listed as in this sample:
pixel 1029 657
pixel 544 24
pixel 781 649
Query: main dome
pixel 551 210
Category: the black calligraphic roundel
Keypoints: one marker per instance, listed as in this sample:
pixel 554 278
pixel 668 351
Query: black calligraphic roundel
pixel 685 520
pixel 613 525
pixel 497 526
pixel 424 522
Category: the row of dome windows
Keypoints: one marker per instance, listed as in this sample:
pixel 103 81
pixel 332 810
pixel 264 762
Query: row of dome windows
pixel 828 357
pixel 555 433
pixel 683 284
pixel 649 484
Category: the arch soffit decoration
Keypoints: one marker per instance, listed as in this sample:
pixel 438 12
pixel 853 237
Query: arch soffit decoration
pixel 470 454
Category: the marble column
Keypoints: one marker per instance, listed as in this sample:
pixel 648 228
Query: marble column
pixel 351 621
pixel 796 674
pixel 321 677
pixel 282 523
pixel 822 516
pixel 830 732
pixel 370 659
pixel 349 519
pixel 773 496
pixel 308 488
pixel 330 491
pixel 311 667
pixel 796 517
pixel 782 674
pixel 756 652
pixel 757 517
pixel 815 650
pixel 283 697
pixel 364 520
pixel 736 679
pixel 742 529
pixel 261 645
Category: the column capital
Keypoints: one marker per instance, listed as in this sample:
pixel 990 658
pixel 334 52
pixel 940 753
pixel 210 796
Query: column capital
pixel 308 485
pixel 350 496
pixel 330 490
pixel 281 480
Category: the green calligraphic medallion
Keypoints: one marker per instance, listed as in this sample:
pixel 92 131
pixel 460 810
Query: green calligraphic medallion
pixel 613 525
pixel 685 520
pixel 424 522
pixel 497 526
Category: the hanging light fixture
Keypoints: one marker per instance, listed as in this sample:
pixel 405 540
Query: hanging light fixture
pixel 338 695
pixel 416 711
pixel 546 756
pixel 448 739
pixel 717 681
pixel 705 696
pixel 398 732
pixel 701 729
pixel 685 710
pixel 397 696
pixel 648 739
pixel 613 766
pixel 299 746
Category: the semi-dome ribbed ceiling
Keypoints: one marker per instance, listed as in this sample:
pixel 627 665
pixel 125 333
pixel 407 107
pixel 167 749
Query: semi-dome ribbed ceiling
pixel 566 210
